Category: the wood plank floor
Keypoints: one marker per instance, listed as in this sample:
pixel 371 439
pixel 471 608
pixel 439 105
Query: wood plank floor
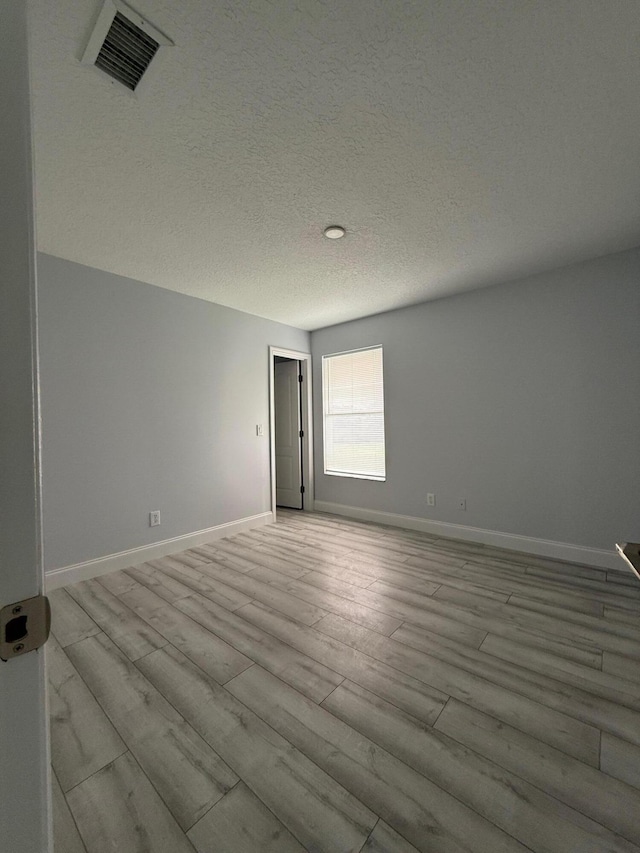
pixel 331 686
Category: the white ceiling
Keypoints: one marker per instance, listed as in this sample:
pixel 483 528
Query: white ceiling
pixel 460 142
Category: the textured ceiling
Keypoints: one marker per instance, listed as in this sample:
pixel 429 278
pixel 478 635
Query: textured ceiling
pixel 460 144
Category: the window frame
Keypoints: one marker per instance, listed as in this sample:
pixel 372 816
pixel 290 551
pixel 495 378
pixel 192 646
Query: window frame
pixel 376 478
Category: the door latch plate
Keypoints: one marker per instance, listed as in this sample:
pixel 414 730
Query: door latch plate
pixel 24 626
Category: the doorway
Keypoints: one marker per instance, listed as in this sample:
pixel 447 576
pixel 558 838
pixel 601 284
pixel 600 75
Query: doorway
pixel 289 434
pixel 290 429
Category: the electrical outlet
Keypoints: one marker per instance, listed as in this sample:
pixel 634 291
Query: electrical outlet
pixel 259 429
pixel 431 499
pixel 462 503
pixel 154 518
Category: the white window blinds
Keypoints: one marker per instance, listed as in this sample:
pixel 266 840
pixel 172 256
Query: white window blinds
pixel 353 402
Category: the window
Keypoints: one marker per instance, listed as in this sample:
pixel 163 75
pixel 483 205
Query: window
pixel 353 404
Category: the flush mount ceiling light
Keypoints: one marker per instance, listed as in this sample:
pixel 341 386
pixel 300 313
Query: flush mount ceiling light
pixel 334 232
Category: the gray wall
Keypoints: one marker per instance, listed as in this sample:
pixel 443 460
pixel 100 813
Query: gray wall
pixel 523 398
pixel 150 400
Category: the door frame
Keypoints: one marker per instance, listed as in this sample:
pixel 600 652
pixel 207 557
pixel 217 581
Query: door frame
pixel 26 787
pixel 307 424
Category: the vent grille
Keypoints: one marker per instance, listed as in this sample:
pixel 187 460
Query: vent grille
pixel 126 52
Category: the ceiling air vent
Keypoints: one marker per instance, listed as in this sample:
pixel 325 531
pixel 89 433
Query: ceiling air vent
pixel 123 44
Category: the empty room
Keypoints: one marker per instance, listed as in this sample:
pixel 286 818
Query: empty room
pixel 320 481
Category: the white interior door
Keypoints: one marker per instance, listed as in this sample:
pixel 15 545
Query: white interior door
pixel 287 421
pixel 24 758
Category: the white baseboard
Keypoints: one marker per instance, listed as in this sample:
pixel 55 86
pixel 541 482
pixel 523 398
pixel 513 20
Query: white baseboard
pixel 529 545
pixel 123 559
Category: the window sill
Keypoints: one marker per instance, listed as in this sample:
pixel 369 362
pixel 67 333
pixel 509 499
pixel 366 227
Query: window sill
pixel 356 476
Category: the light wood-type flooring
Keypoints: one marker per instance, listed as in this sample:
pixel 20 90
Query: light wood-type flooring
pixel 332 686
